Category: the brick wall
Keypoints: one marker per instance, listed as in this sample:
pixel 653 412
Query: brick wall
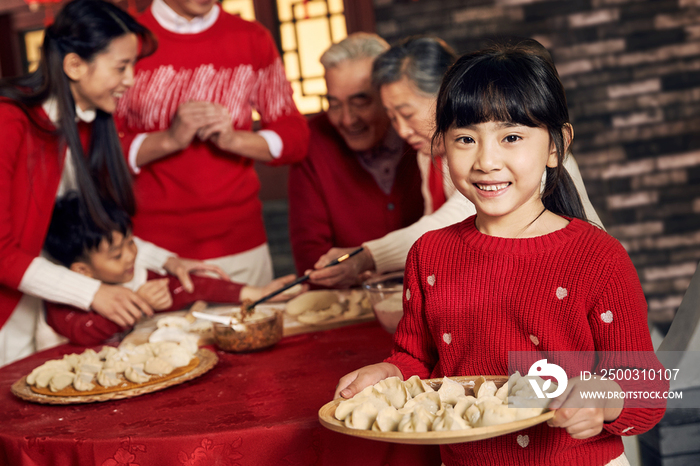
pixel 631 69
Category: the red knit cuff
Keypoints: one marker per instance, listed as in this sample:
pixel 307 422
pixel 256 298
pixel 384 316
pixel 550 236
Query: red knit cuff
pixel 408 365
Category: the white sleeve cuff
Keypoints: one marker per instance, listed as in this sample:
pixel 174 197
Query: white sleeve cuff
pixel 390 252
pixel 56 283
pixel 152 256
pixel 274 142
pixel 134 151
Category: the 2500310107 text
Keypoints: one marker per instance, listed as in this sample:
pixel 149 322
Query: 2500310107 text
pixel 632 374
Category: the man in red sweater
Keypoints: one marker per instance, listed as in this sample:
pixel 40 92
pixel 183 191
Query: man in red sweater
pixel 359 180
pixel 186 130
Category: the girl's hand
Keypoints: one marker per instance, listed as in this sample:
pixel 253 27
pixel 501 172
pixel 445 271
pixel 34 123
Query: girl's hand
pixel 156 294
pixel 353 383
pixel 182 268
pixel 347 273
pixel 584 418
pixel 120 305
pixel 253 293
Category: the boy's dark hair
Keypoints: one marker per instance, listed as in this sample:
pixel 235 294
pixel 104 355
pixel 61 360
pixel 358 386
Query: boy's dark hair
pixel 515 82
pixel 73 233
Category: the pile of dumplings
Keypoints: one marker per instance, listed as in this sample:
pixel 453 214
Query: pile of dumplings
pixel 112 367
pixel 414 406
pixel 319 306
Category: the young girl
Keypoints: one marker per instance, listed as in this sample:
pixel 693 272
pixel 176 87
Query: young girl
pixel 57 134
pixel 526 274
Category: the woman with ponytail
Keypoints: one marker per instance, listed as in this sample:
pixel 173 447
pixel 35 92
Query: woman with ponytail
pixel 57 135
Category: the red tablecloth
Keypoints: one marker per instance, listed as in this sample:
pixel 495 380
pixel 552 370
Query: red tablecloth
pixel 251 409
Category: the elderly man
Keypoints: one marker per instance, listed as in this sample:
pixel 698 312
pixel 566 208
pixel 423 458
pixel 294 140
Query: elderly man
pixel 359 180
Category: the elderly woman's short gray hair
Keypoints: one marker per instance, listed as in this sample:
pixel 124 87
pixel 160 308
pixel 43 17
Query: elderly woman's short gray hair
pixel 423 60
pixel 357 45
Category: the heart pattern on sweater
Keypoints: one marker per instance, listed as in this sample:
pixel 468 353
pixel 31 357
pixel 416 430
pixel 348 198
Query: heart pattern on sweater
pixel 523 440
pixel 607 317
pixel 447 338
pixel 562 293
pixel 408 295
pixel 431 280
pixel 534 340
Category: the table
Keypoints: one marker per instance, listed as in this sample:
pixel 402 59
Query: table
pixel 251 409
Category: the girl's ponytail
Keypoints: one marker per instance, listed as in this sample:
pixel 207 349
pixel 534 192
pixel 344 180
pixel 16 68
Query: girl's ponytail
pixel 560 194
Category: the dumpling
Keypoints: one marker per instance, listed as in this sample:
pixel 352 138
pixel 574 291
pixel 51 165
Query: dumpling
pixel 487 389
pixel 395 390
pixel 106 352
pixel 191 343
pixel 416 386
pixel 61 380
pixel 450 391
pixel 116 363
pixel 502 392
pixel 363 416
pixel 161 347
pixel 472 415
pixel 420 420
pixel 428 400
pixel 493 414
pixel 448 419
pixel 463 403
pixel 387 420
pixel 108 378
pixel 54 364
pixel 72 360
pixel 44 377
pixel 139 354
pixel 156 366
pixel 89 355
pixel 83 381
pixel 93 366
pixel 176 356
pixel 136 375
pixel 347 406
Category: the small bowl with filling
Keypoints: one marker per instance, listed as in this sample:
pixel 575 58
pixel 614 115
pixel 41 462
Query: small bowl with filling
pixel 385 293
pixel 258 330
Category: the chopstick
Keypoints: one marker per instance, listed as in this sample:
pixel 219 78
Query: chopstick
pixel 304 278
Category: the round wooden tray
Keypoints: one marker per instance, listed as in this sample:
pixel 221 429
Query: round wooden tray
pixel 207 360
pixel 326 415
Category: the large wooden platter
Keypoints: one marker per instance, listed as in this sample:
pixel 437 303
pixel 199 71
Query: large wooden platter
pixel 326 415
pixel 206 360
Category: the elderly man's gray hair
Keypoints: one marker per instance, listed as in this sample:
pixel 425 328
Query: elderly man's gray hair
pixel 356 45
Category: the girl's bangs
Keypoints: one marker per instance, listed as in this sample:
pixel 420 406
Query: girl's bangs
pixel 494 93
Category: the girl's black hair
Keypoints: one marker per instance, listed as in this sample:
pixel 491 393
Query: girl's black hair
pixel 513 82
pixel 86 28
pixel 73 234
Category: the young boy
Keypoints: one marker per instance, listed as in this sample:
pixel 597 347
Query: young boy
pixel 112 257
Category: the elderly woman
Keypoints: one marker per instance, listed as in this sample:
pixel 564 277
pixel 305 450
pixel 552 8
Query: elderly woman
pixel 408 76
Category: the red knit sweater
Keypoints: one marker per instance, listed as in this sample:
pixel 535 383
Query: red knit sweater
pixel 335 202
pixel 90 328
pixel 202 202
pixel 470 299
pixel 31 160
